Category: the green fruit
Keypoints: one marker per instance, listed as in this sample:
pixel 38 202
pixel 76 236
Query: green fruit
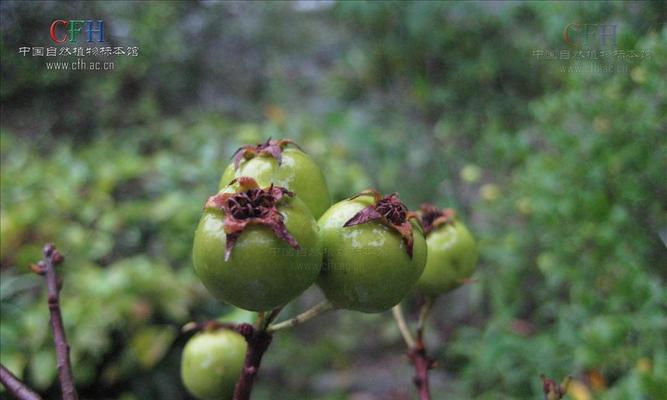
pixel 263 271
pixel 367 267
pixel 452 257
pixel 295 171
pixel 212 363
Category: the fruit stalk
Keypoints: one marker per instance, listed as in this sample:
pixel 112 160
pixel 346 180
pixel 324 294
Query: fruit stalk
pixel 403 326
pixel 315 311
pixel 15 386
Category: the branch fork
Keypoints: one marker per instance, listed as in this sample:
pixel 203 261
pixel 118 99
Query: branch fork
pixel 259 339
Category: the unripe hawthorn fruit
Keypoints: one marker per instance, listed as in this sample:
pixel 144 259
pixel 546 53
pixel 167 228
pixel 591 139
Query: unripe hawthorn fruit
pixel 291 168
pixel 452 252
pixel 211 364
pixel 374 252
pixel 256 248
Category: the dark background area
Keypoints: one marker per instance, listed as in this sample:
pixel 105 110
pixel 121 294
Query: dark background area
pixel 557 165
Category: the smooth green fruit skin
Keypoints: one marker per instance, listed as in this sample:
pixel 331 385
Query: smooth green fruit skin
pixel 452 257
pixel 212 363
pixel 298 173
pixel 366 266
pixel 263 272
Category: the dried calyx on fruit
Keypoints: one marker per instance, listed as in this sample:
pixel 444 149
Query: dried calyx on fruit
pixel 251 205
pixel 452 252
pixel 280 163
pixel 271 147
pixel 390 211
pixel 432 217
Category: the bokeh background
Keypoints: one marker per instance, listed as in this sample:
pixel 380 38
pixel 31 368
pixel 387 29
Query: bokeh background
pixel 558 166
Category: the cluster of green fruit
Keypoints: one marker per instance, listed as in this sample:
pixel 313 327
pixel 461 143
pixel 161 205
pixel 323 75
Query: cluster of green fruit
pixel 271 232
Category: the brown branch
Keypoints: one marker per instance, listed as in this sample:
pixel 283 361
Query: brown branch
pixel 417 355
pixel 15 386
pixel 258 340
pixel 422 364
pixel 46 267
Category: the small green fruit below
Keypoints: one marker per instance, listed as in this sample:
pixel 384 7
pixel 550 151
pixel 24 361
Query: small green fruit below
pixel 291 168
pixel 368 266
pixel 212 363
pixel 256 248
pixel 452 252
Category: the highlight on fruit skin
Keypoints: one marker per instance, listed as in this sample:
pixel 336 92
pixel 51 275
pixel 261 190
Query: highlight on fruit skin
pixel 277 162
pixel 452 251
pixel 256 247
pixel 211 364
pixel 367 263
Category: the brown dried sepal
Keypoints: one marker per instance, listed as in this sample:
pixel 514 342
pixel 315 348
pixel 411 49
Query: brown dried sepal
pixel 251 205
pixel 388 210
pixel 272 148
pixel 433 217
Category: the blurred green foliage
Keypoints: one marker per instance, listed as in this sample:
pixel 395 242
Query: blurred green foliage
pixel 559 172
